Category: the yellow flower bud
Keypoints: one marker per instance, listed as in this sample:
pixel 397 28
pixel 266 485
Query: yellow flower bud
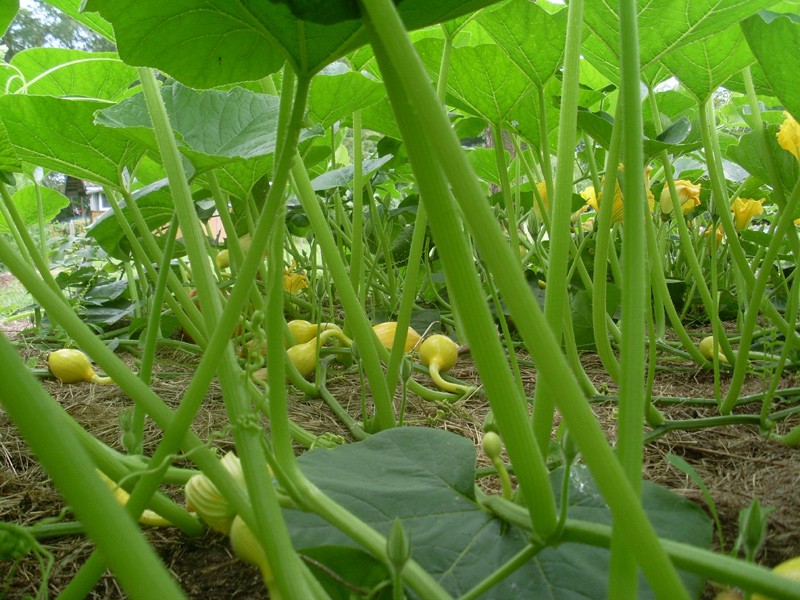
pixel 688 196
pixel 542 188
pixel 789 135
pixel 744 209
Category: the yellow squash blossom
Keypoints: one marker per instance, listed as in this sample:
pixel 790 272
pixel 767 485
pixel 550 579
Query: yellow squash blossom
pixel 688 196
pixel 744 209
pixel 542 188
pixel 294 282
pixel 789 135
pixel 720 234
pixel 618 212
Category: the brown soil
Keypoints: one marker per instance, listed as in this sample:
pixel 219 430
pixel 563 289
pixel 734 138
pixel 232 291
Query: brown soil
pixel 735 462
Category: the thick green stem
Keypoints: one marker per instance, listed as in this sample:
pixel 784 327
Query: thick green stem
pixel 357 243
pixel 557 297
pixel 785 223
pixel 134 562
pixel 623 581
pixel 269 524
pixel 505 185
pixel 362 331
pixel 508 404
pixel 601 251
pixel 434 131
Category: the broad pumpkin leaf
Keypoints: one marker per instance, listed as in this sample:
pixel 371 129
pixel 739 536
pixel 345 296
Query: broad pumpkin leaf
pixel 329 12
pixel 8 10
pixel 332 97
pixel 486 81
pixel 61 135
pixel 63 72
pixel 157 208
pixel 9 161
pixel 599 125
pixel 344 176
pixel 704 65
pixel 75 9
pixel 663 26
pixel 774 39
pixel 531 36
pixel 206 43
pixel 209 124
pixel 425 477
pixel 27 205
pixel 749 155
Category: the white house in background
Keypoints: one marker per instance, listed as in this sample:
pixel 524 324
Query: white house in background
pixel 98 203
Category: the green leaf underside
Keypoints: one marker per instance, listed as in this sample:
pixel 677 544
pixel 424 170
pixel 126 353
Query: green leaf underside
pixel 61 135
pixel 344 176
pixel 424 476
pixel 706 64
pixel 774 41
pixel 63 72
pixel 485 80
pixel 206 43
pixel 25 201
pixel 209 124
pixel 663 27
pixel 532 37
pixel 156 207
pixel 336 96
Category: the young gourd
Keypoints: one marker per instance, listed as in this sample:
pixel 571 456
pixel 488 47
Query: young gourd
pixel 303 331
pixel 246 547
pixel 73 366
pixel 706 347
pixel 203 497
pixel 387 331
pixel 148 517
pixel 439 353
pixel 789 569
pixel 304 356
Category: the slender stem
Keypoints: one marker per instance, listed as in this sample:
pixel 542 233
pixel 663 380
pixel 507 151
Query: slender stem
pixel 505 186
pixel 433 130
pixel 269 524
pixel 785 223
pixel 134 562
pixel 623 581
pixel 463 283
pixel 362 331
pixel 557 297
pixel 601 251
pixel 357 243
pixel 152 334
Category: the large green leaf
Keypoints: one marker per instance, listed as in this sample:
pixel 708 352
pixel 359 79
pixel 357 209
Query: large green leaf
pixel 74 8
pixel 532 37
pixel 206 43
pixel 25 201
pixel 61 135
pixel 663 27
pixel 157 208
pixel 425 477
pixel 485 80
pixel 599 126
pixel 774 39
pixel 344 176
pixel 748 154
pixel 328 12
pixel 63 72
pixel 332 97
pixel 8 10
pixel 704 65
pixel 9 161
pixel 209 124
